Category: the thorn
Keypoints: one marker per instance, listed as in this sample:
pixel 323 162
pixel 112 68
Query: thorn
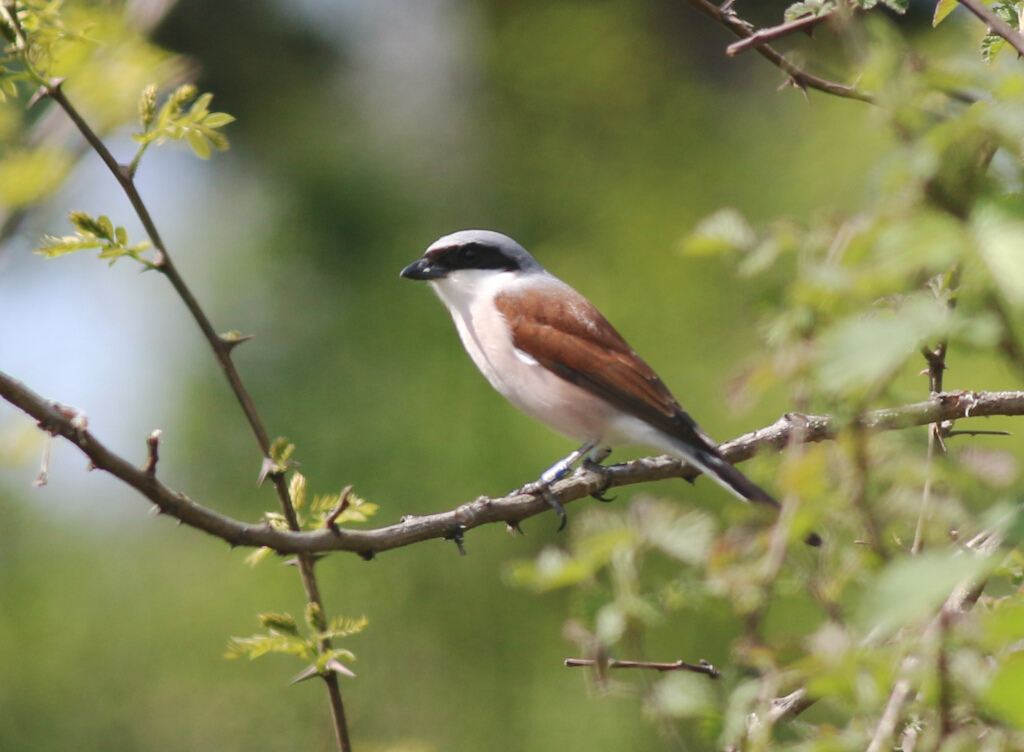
pixel 267 468
pixel 40 93
pixel 233 339
pixel 342 506
pixel 294 561
pixel 156 511
pixel 339 668
pixel 306 673
pixel 407 518
pixel 458 536
pixel 44 465
pixel 367 555
pixel 153 442
pixel 713 672
pixel 513 527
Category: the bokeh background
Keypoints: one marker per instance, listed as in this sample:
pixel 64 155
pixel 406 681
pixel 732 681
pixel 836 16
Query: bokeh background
pixel 597 134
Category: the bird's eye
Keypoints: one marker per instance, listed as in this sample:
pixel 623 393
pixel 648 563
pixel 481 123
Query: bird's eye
pixel 469 253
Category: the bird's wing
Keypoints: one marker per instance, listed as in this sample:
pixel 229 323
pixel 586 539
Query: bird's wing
pixel 566 334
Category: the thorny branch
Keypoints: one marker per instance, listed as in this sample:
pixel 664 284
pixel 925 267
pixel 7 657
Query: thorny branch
pixel 222 348
pixel 995 23
pixel 797 75
pixel 697 668
pixel 769 34
pixel 509 509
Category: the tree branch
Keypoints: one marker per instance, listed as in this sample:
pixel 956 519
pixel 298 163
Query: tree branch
pixel 800 78
pixel 995 24
pixel 484 510
pixel 222 348
pixel 697 668
pixel 771 33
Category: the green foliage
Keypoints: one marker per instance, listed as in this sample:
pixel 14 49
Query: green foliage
pixel 103 61
pixel 197 124
pixel 100 233
pixel 849 301
pixel 824 7
pixel 992 44
pixel 284 635
pixel 323 510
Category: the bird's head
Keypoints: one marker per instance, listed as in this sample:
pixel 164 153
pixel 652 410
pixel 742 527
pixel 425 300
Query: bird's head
pixel 474 251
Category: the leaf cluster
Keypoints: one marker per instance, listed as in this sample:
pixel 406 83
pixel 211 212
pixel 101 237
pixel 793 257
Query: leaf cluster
pixel 853 306
pixel 177 121
pixel 93 233
pixel 316 513
pixel 825 7
pixel 284 635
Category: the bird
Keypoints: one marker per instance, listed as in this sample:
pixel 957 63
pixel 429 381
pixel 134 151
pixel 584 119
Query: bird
pixel 551 353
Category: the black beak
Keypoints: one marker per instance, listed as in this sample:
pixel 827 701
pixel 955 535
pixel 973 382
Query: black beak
pixel 422 269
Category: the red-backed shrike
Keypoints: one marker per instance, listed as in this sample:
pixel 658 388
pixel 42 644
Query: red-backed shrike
pixel 552 354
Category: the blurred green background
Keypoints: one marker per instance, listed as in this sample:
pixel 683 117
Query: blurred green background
pixel 596 134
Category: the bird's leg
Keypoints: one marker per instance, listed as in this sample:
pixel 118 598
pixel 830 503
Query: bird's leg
pixel 564 466
pixel 592 462
pixel 542 486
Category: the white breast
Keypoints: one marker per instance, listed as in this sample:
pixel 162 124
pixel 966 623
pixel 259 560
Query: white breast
pixel 469 296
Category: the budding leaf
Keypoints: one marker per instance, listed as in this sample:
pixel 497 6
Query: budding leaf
pixel 147 106
pixel 283 623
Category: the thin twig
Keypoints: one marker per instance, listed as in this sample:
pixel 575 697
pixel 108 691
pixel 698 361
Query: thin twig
pixel 769 34
pixel 797 75
pixel 995 24
pixel 153 444
pixel 861 461
pixel 697 668
pixel 222 352
pixel 936 360
pixel 343 504
pixel 926 492
pixel 962 599
pixel 513 508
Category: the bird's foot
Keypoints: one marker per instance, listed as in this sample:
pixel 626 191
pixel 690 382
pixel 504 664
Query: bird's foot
pixel 595 466
pixel 542 489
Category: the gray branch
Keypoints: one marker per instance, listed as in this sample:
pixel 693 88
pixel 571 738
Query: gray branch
pixel 60 421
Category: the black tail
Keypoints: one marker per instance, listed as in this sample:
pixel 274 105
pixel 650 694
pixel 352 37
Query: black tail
pixel 731 479
pixel 738 484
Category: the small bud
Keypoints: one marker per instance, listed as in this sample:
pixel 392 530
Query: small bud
pixel 279 623
pixel 314 617
pixel 297 490
pixel 86 224
pixel 181 95
pixel 147 106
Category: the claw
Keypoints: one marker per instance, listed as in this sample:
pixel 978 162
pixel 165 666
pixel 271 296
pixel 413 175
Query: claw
pixel 596 467
pixel 543 490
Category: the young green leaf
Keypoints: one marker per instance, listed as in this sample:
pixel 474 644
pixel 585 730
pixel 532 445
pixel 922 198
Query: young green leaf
pixel 942 9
